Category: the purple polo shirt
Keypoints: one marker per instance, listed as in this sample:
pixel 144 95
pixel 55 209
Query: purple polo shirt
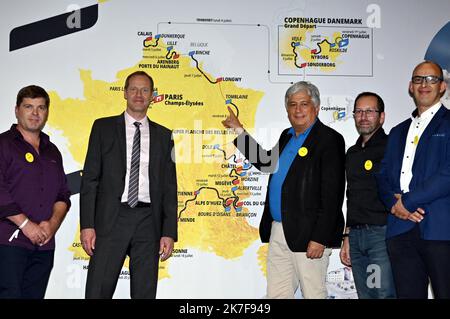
pixel 30 183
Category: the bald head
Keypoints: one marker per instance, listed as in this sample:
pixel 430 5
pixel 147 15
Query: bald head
pixel 434 65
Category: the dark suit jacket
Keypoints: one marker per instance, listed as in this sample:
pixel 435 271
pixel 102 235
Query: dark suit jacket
pixel 313 191
pixel 103 179
pixel 430 185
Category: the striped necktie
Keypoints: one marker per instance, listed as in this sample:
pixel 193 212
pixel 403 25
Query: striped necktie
pixel 133 186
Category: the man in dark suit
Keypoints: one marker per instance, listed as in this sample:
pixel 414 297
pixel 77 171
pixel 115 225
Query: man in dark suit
pixel 128 198
pixel 302 218
pixel 414 185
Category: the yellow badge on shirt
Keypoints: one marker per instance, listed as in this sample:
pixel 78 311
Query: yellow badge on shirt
pixel 29 157
pixel 416 140
pixel 368 165
pixel 303 151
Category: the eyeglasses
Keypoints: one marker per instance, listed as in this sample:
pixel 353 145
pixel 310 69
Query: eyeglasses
pixel 433 79
pixel 369 113
pixel 134 90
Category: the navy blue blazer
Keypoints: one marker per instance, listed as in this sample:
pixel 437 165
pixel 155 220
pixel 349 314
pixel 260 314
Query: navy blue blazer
pixel 430 184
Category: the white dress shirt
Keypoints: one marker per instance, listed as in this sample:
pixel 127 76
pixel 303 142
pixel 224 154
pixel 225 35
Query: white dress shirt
pixel 417 127
pixel 144 182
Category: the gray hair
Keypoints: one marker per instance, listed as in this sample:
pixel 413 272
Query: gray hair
pixel 303 86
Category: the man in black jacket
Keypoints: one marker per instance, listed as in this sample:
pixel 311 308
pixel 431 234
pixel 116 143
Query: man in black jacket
pixel 364 243
pixel 128 198
pixel 302 217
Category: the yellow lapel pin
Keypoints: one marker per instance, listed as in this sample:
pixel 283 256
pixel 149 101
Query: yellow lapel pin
pixel 368 165
pixel 303 151
pixel 29 157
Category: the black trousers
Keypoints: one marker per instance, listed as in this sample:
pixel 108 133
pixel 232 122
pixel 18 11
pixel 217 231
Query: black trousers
pixel 24 273
pixel 416 262
pixel 132 235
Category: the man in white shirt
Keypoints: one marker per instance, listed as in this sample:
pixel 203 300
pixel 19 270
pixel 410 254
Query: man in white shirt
pixel 128 198
pixel 414 185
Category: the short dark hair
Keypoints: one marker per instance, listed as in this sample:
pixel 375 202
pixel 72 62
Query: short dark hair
pixel 137 73
pixel 380 102
pixel 32 92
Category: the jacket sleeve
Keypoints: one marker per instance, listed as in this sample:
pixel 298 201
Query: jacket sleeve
pixel 434 187
pixel 90 178
pixel 265 161
pixel 170 195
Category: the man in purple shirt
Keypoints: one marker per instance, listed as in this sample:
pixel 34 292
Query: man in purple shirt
pixel 34 198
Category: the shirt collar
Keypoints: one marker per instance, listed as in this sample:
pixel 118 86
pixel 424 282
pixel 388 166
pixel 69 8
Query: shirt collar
pixel 306 132
pixel 378 135
pixel 428 113
pixel 129 120
pixel 44 139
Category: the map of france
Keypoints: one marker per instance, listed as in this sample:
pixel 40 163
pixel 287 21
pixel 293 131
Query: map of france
pixel 211 179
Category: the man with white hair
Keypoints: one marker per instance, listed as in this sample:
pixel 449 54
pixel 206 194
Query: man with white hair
pixel 302 217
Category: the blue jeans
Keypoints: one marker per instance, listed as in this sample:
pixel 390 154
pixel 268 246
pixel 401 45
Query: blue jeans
pixel 370 262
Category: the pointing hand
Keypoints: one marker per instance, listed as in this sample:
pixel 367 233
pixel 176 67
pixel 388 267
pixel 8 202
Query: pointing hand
pixel 233 122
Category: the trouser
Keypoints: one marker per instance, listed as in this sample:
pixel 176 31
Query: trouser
pixel 24 273
pixel 416 261
pixel 134 235
pixel 370 262
pixel 287 270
